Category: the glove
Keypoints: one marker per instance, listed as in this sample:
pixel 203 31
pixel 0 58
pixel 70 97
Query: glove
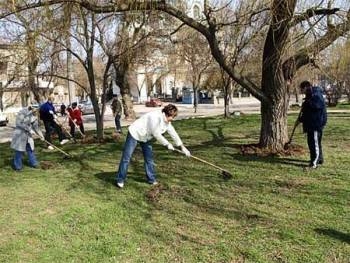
pixel 51 112
pixel 185 151
pixel 42 138
pixel 170 147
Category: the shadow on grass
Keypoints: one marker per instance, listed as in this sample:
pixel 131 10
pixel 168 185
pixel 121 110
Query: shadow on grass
pixel 108 177
pixel 270 159
pixel 334 234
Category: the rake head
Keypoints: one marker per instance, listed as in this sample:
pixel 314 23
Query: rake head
pixel 226 175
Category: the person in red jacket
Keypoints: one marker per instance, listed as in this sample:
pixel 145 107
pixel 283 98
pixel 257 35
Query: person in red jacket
pixel 75 119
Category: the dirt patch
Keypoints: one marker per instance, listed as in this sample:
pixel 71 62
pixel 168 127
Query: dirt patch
pixel 115 137
pixel 255 149
pixel 154 194
pixel 47 165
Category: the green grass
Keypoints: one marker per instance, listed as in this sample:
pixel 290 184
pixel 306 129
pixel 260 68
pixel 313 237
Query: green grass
pixel 343 105
pixel 271 211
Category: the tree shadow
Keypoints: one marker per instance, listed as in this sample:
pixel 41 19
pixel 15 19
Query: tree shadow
pixel 107 177
pixel 270 159
pixel 334 234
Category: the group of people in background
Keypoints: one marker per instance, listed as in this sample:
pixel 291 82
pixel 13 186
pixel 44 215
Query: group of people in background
pixel 154 124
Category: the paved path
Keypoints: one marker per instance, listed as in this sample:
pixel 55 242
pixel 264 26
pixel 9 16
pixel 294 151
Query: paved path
pixel 185 111
pixel 244 105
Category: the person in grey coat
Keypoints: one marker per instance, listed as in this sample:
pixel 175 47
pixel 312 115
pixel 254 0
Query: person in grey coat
pixel 22 140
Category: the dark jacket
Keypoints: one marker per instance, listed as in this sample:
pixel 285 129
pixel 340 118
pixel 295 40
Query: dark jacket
pixel 45 109
pixel 116 107
pixel 314 114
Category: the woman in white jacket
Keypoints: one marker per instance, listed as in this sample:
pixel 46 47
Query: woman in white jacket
pixel 22 140
pixel 143 130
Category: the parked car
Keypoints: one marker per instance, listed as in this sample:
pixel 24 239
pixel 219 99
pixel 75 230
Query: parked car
pixel 3 119
pixel 86 107
pixel 154 102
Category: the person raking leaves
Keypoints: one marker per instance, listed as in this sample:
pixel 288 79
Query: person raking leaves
pixel 151 125
pixel 75 119
pixel 22 139
pixel 48 116
pixel 313 116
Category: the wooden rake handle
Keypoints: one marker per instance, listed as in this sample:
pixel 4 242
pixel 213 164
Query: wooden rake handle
pixel 59 149
pixel 296 124
pixel 76 126
pixel 203 161
pixel 64 128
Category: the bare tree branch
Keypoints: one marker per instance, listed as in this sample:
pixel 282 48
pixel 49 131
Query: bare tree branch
pixel 311 13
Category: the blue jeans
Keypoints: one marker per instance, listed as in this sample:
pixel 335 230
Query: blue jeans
pixel 129 147
pixel 17 160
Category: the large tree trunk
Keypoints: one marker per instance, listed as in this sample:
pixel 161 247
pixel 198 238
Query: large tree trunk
pixel 273 132
pixel 123 83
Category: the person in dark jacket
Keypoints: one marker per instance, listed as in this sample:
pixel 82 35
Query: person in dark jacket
pixel 63 109
pixel 314 118
pixel 48 116
pixel 117 113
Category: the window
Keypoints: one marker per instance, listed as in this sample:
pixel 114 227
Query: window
pixel 3 68
pixel 196 12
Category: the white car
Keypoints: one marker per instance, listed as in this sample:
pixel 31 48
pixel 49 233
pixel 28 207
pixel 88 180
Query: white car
pixel 86 107
pixel 3 119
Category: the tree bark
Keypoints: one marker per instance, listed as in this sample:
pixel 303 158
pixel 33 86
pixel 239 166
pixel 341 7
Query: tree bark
pixel 123 83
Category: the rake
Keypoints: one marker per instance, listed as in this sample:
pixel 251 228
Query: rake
pixel 225 174
pixel 297 122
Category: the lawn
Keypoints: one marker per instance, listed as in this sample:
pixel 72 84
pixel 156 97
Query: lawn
pixel 270 211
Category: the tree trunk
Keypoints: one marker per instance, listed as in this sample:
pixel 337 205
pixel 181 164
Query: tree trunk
pixel 128 107
pixel 94 100
pixel 226 99
pixel 123 83
pixel 274 129
pixel 195 99
pixel 1 97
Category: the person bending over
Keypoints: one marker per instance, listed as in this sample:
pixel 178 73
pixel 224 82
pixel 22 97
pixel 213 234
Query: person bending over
pixel 151 125
pixel 22 140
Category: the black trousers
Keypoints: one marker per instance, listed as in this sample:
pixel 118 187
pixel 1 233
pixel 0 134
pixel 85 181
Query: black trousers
pixel 72 129
pixel 314 141
pixel 50 127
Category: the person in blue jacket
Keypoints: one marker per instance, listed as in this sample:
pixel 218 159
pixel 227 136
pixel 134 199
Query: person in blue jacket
pixel 314 118
pixel 48 116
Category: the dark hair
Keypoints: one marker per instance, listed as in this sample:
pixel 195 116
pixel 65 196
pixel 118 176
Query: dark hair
pixel 305 84
pixel 74 104
pixel 170 110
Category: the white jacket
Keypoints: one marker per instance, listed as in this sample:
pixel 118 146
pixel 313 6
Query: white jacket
pixel 152 125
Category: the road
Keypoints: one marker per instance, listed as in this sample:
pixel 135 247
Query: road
pixel 245 105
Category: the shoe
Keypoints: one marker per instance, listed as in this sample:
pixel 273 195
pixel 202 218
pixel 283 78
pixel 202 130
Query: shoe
pixel 64 141
pixel 154 183
pixel 310 167
pixel 120 184
pixel 50 148
pixel 119 131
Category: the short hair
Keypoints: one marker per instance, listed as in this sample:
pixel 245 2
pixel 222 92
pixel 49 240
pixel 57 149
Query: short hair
pixel 74 104
pixel 170 110
pixel 305 84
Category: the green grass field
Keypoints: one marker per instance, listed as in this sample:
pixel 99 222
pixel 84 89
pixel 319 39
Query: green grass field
pixel 270 211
